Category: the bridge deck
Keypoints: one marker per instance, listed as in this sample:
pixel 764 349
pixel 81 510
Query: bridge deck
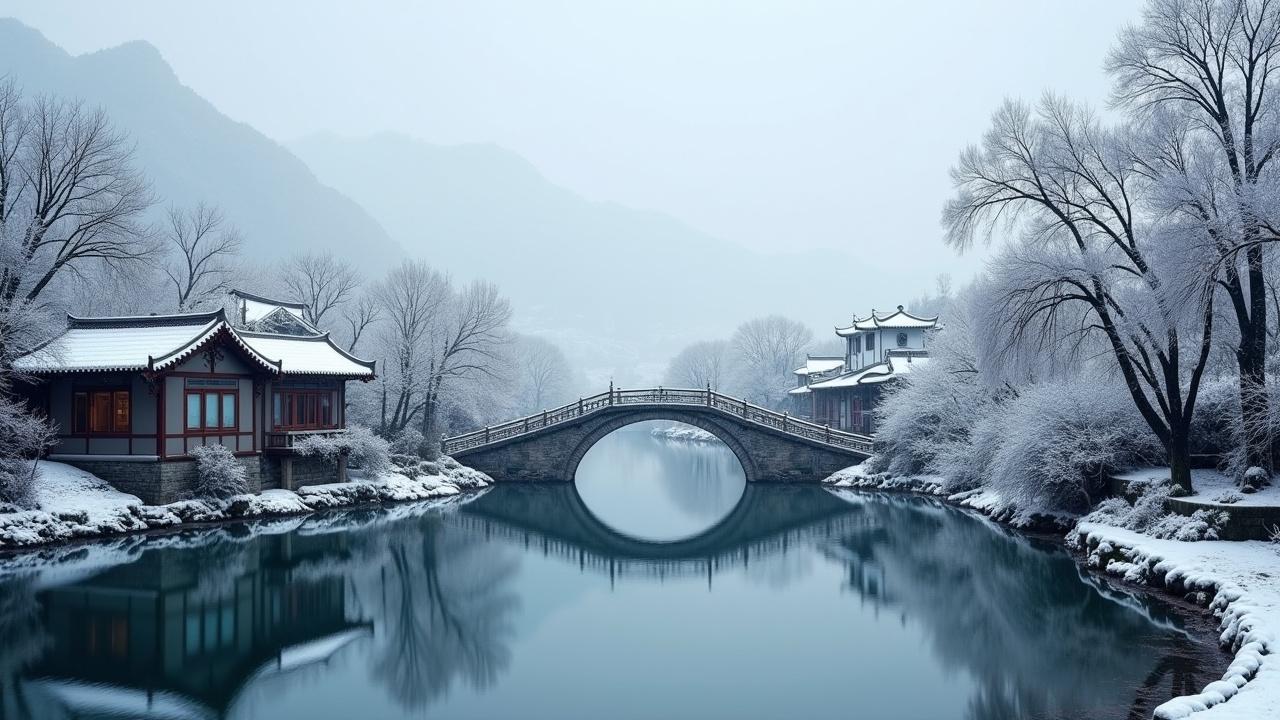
pixel 712 401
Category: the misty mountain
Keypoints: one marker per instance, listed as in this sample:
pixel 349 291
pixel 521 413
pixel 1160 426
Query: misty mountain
pixel 192 152
pixel 620 289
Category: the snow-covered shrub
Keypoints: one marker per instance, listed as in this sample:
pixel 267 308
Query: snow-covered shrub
pixel 407 441
pixel 1228 497
pixel 1059 442
pixel 1149 514
pixel 364 450
pixel 928 423
pixel 1215 424
pixel 218 474
pixel 1200 525
pixel 23 437
pixel 1255 478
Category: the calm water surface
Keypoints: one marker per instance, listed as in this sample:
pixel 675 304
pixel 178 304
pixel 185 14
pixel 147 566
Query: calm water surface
pixel 656 586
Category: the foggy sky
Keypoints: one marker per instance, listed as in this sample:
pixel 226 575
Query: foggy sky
pixel 775 125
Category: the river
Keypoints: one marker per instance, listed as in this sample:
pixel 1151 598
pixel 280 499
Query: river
pixel 658 585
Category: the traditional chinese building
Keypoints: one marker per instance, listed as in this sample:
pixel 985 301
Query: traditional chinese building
pixel 132 396
pixel 878 349
pixel 815 369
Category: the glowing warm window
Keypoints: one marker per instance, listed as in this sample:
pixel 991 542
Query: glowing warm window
pixel 100 412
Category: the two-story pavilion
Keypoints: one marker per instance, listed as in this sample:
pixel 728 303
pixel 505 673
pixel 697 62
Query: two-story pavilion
pixel 132 396
pixel 816 368
pixel 879 348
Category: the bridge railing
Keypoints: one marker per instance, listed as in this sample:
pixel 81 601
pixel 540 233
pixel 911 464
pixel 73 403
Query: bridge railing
pixel 660 397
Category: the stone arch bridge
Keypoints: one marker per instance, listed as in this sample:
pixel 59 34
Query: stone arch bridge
pixel 771 446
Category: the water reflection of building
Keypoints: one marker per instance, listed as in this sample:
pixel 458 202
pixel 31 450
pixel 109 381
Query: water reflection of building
pixel 198 625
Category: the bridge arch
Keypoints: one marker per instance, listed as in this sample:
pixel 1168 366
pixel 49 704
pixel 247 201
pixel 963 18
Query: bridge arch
pixel 548 446
pixel 702 422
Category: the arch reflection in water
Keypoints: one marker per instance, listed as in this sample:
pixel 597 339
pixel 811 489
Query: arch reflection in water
pixel 634 483
pixel 865 605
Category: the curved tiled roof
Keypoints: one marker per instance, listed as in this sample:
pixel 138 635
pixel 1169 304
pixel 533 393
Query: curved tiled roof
pixel 159 342
pixel 899 319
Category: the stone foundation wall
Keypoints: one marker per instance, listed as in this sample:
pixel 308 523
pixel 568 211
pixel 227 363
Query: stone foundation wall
pixel 158 482
pixel 302 471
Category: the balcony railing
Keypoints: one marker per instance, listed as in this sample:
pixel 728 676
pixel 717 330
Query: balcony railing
pixel 285 439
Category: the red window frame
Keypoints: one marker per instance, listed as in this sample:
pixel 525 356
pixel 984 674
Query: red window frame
pixel 217 395
pixel 303 410
pixel 117 413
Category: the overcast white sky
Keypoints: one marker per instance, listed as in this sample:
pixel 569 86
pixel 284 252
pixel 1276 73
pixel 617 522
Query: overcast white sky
pixel 776 125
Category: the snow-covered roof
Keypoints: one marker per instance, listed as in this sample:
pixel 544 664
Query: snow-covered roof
pixel 155 343
pixel 253 308
pixel 313 355
pixel 891 368
pixel 897 320
pixel 817 365
pixel 802 390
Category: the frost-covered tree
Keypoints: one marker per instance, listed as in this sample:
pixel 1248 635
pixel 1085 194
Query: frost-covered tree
pixel 765 352
pixel 1199 74
pixel 322 281
pixel 202 249
pixel 357 317
pixel 433 335
pixel 541 374
pixel 1094 269
pixel 69 194
pixel 701 365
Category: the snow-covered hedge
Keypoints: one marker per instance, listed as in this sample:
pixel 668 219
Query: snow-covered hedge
pixel 1148 515
pixel 218 474
pixel 365 451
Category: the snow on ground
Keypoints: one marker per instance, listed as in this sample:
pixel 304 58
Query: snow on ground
pixel 1239 583
pixel 1212 488
pixel 73 504
pixel 684 433
pixel 859 477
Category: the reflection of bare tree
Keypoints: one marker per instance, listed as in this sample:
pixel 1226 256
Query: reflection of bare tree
pixel 442 604
pixel 25 640
pixel 1039 642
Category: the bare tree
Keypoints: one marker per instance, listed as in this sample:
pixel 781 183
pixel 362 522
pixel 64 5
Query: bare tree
pixel 765 352
pixel 413 298
pixel 203 248
pixel 69 193
pixel 432 334
pixel 359 317
pixel 1093 266
pixel 703 364
pixel 321 281
pixel 1208 64
pixel 542 373
pixel 472 337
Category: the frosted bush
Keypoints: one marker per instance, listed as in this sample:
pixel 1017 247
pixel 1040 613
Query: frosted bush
pixel 407 442
pixel 218 474
pixel 1060 441
pixel 1149 515
pixel 364 450
pixel 1227 497
pixel 928 423
pixel 23 437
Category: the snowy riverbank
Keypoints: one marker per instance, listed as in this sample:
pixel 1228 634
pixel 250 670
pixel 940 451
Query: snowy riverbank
pixel 684 433
pixel 1232 580
pixel 71 504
